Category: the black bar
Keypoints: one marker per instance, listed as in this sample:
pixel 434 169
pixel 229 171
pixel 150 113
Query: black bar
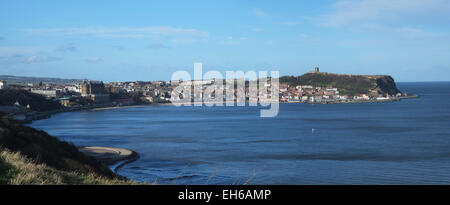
pixel 259 194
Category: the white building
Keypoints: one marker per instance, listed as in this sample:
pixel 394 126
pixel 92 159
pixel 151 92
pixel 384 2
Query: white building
pixel 3 85
pixel 382 98
pixel 362 97
pixel 306 86
pixel 47 93
pixel 74 88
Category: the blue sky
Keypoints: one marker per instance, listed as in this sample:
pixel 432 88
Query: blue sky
pixel 149 40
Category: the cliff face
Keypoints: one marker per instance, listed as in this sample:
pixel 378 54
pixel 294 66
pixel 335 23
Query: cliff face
pixel 387 85
pixel 347 84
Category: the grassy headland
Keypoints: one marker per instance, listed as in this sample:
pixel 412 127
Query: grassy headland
pixel 30 156
pixel 347 84
pixel 16 169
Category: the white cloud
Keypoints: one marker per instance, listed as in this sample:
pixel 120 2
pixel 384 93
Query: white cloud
pixel 122 32
pixel 27 59
pixel 302 35
pixel 290 23
pixel 395 19
pixel 120 48
pixel 414 33
pixel 18 55
pixel 94 59
pixel 66 48
pixel 258 29
pixel 157 46
pixel 40 59
pixel 183 41
pixel 233 41
pixel 258 12
pixel 381 13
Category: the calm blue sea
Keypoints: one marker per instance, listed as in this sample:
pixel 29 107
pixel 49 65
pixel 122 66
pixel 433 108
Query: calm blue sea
pixel 406 142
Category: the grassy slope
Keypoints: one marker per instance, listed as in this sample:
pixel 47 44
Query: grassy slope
pixel 44 159
pixel 43 148
pixel 16 169
pixel 37 102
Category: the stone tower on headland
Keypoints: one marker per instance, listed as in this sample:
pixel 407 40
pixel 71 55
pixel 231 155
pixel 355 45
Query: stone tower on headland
pixel 316 69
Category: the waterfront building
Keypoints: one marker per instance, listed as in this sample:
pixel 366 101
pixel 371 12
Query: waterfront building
pixel 47 93
pixel 64 101
pixel 382 98
pixel 95 91
pixel 92 87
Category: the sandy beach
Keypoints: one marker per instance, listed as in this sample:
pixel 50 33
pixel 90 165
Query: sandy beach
pixel 110 155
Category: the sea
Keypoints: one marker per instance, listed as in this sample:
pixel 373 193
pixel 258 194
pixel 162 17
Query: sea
pixel 401 142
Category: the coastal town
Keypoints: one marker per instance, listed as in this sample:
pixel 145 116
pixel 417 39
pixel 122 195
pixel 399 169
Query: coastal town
pixel 97 94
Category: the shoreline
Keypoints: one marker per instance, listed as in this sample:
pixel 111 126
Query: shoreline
pixel 360 101
pixel 34 115
pixel 118 107
pixel 29 117
pixel 111 156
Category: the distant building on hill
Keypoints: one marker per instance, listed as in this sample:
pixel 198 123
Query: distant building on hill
pixel 316 70
pixel 3 85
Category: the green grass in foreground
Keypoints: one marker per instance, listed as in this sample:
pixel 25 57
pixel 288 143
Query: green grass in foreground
pixel 16 169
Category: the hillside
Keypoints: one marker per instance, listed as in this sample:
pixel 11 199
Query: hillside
pixel 19 80
pixel 16 169
pixel 37 102
pixel 39 148
pixel 347 84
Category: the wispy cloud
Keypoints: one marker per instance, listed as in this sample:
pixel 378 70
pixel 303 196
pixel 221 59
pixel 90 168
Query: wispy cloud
pixel 12 55
pixel 120 48
pixel 258 30
pixel 302 35
pixel 258 12
pixel 40 59
pixel 401 19
pixel 121 32
pixel 290 23
pixel 380 13
pixel 157 46
pixel 232 41
pixel 27 59
pixel 66 48
pixel 269 42
pixel 414 33
pixel 94 60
